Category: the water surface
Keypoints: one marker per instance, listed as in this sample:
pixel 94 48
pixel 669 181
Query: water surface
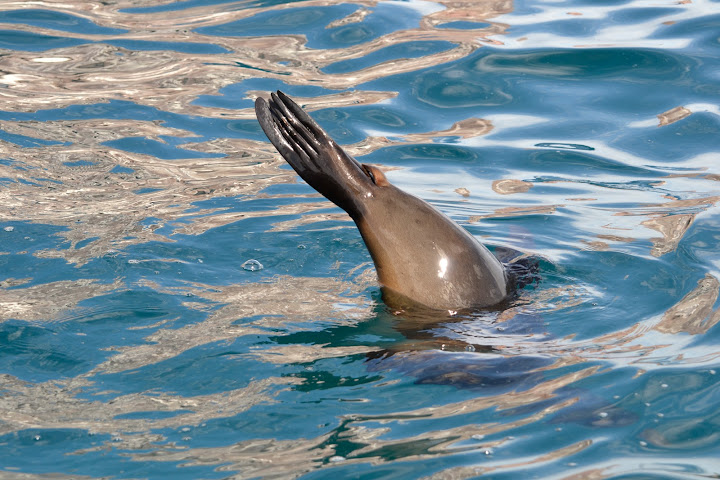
pixel 176 303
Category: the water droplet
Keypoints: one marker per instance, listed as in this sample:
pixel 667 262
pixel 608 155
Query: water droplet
pixel 664 385
pixel 200 260
pixel 712 372
pixel 488 451
pixel 478 436
pixel 301 247
pixel 603 414
pixel 469 348
pixel 133 261
pixel 442 347
pixel 9 229
pixel 185 429
pixel 252 265
pixel 643 444
pixel 37 438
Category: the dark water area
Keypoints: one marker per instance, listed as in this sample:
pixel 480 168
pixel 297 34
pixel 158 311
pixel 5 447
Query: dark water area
pixel 176 303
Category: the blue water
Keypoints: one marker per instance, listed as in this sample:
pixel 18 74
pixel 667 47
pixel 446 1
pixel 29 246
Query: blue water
pixel 176 303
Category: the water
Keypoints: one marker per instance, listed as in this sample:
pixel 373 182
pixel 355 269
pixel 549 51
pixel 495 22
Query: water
pixel 176 304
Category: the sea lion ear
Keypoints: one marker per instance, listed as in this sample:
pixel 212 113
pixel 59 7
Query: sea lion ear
pixel 376 175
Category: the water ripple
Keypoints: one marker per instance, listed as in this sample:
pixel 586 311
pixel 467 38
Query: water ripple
pixel 136 186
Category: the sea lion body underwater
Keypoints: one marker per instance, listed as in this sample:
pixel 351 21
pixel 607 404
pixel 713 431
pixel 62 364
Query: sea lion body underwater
pixel 419 253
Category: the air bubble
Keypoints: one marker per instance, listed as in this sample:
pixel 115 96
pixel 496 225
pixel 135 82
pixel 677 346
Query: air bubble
pixel 252 265
pixel 9 229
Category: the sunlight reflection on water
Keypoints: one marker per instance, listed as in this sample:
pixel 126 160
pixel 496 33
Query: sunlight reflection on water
pixel 172 296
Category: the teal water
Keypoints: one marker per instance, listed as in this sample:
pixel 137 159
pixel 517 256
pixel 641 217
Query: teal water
pixel 176 303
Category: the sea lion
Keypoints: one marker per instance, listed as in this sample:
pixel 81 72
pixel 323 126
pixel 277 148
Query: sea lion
pixel 419 253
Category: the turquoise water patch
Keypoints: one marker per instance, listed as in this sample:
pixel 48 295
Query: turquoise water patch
pixel 176 302
pixel 25 141
pixel 79 163
pixel 35 42
pixel 461 25
pixel 56 21
pixel 121 169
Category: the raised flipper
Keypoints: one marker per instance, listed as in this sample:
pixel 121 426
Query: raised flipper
pixel 420 254
pixel 312 153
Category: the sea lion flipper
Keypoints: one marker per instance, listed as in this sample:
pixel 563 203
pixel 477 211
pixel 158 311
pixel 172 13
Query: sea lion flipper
pixel 322 163
pixel 276 136
pixel 310 132
pixel 306 119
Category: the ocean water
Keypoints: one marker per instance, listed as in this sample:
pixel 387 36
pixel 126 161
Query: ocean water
pixel 176 303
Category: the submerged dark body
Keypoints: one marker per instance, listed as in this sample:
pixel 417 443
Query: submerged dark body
pixel 419 253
